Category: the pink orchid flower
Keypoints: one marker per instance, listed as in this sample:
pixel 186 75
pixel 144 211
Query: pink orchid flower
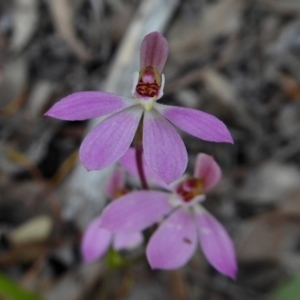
pixel 164 149
pixel 175 241
pixel 96 240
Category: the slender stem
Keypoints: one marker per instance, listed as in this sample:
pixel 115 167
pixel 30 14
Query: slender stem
pixel 139 155
pixel 139 162
pixel 178 285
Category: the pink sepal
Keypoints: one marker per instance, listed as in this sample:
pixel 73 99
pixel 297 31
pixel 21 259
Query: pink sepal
pixel 95 241
pixel 173 243
pixel 197 123
pixel 135 211
pixel 216 244
pixel 154 51
pixel 88 105
pixel 164 150
pixel 207 170
pixel 115 183
pixel 109 140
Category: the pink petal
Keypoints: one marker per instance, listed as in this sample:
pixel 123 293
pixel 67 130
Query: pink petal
pixel 195 122
pixel 128 162
pixel 216 244
pixel 115 182
pixel 208 170
pixel 164 150
pixel 135 211
pixel 106 143
pixel 95 241
pixel 87 105
pixel 154 51
pixel 127 241
pixel 174 242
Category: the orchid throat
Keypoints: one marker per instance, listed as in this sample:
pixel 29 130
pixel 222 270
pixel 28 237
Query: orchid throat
pixel 148 86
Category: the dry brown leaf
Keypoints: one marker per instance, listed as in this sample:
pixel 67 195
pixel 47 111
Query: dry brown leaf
pixel 282 6
pixel 221 87
pixel 63 17
pixel 25 19
pixel 291 86
pixel 196 35
pixel 21 159
pixel 270 182
pixel 34 230
pixel 291 206
pixel 224 93
pixel 79 279
pixel 222 18
pixel 288 122
pixel 38 98
pixel 14 82
pixel 27 253
pixel 65 169
pixel 269 237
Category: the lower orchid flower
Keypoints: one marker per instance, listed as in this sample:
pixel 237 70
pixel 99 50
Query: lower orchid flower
pixel 164 149
pixel 187 221
pixel 96 240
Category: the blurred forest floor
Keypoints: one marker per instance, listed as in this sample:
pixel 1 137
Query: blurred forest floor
pixel 236 59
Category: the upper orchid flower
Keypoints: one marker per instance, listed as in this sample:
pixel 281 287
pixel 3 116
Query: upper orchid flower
pixel 174 242
pixel 164 150
pixel 96 240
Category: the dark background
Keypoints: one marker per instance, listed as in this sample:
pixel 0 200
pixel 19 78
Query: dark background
pixel 238 60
